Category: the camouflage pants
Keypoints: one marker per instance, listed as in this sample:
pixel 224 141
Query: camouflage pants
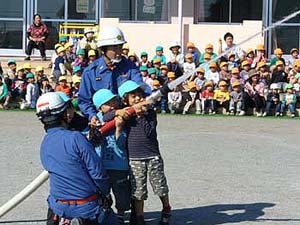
pixel 140 169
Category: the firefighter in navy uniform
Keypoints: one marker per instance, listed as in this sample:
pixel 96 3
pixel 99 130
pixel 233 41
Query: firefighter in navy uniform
pixel 79 188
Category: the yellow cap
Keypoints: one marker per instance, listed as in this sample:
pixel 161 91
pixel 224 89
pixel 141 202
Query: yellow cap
pixel 236 83
pixel 39 68
pixel 190 45
pixel 200 70
pixel 164 67
pixel 294 50
pixel 19 68
pixel 222 83
pixel 249 50
pixel 245 63
pixel 56 46
pixel 261 64
pixel 208 83
pixel 91 53
pixel 171 75
pixel 278 51
pixel 207 56
pixel 76 79
pixel 155 83
pixel 235 70
pixel 156 60
pixel 68 44
pixel 27 66
pixel 131 53
pixel 230 55
pixel 209 46
pixel 213 65
pixel 60 49
pixel 192 85
pixel 260 47
pixel 279 63
pixel 125 46
pixel 297 63
pixel 189 56
pixel 223 64
pixel 61 78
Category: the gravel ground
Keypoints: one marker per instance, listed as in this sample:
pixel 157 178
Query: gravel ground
pixel 220 170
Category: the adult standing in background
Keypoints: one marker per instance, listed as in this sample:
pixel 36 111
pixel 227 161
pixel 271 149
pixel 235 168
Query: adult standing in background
pixel 37 34
pixel 231 48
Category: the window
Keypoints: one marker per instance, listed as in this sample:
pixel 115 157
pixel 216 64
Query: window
pixel 9 9
pixel 82 9
pixel 227 11
pixel 282 8
pixel 137 10
pixel 285 38
pixel 11 34
pixel 54 9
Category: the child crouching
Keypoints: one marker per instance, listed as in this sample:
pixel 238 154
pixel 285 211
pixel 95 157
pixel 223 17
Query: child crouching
pixel 144 155
pixel 112 151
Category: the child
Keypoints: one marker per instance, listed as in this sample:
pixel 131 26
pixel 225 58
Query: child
pixel 70 56
pixel 125 50
pixel 246 66
pixel 273 100
pixel 18 87
pixel 133 58
pixel 192 99
pixel 75 90
pixel 144 155
pixel 171 76
pixel 59 64
pixel 80 59
pixel 279 76
pixel 157 65
pixel 63 86
pixel 294 56
pixel 174 100
pixel 77 71
pixel 236 99
pixel 144 60
pixel 207 98
pixel 160 54
pixel 27 68
pixel 224 72
pixel 12 66
pixel 31 93
pixel 191 49
pixel 222 96
pixel 264 72
pixel 200 79
pixel 250 56
pixel 45 86
pixel 91 56
pixel 278 57
pixel 156 106
pixel 212 74
pixel 4 97
pixel 289 100
pixel 259 55
pixel 189 65
pixel 235 76
pixel 152 77
pixel 112 151
pixel 163 77
pixel 209 50
pixel 144 73
pixel 231 61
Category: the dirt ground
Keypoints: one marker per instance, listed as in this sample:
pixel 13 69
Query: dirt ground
pixel 220 170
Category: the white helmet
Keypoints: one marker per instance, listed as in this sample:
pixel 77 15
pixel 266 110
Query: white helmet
pixel 49 106
pixel 274 86
pixel 88 30
pixel 110 36
pixel 174 44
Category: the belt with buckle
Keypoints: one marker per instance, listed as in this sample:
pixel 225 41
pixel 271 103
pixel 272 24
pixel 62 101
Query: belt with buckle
pixel 79 201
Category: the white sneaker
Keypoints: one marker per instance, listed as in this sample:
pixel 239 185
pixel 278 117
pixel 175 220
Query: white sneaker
pixel 242 113
pixel 293 115
pixel 277 114
pixel 184 112
pixel 198 112
pixel 265 114
pixel 258 114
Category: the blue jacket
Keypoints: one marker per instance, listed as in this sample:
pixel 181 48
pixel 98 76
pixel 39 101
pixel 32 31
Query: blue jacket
pixel 113 153
pixel 97 76
pixel 75 172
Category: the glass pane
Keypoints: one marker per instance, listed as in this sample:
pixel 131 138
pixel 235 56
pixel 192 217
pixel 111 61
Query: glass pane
pixel 282 8
pixel 54 9
pixel 246 10
pixel 9 9
pixel 285 38
pixel 82 9
pixel 213 11
pixel 119 9
pixel 152 10
pixel 11 34
pixel 53 28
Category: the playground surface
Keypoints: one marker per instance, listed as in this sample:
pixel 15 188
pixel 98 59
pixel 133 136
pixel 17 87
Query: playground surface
pixel 220 170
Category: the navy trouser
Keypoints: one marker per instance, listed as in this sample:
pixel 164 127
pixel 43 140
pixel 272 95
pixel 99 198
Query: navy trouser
pixel 39 45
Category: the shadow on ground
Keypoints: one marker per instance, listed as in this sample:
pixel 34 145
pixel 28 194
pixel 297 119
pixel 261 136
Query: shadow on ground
pixel 217 214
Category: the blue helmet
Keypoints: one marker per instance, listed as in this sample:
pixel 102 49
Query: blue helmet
pixel 76 69
pixel 102 96
pixel 127 87
pixel 29 75
pixel 63 96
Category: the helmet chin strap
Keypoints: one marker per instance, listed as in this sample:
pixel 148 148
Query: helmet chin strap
pixel 113 61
